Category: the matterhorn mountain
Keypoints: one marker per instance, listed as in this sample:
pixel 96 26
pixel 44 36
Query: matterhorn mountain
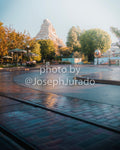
pixel 47 31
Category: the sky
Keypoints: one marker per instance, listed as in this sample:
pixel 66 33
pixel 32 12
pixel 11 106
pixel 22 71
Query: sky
pixel 87 14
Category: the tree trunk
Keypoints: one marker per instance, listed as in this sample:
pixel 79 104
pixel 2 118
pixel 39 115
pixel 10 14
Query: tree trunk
pixel 90 58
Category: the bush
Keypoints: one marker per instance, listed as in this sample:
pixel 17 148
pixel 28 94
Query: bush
pixel 64 62
pixel 86 62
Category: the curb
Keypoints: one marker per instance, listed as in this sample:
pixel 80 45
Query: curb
pixel 111 82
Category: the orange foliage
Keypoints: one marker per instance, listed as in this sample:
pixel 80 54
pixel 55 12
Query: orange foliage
pixel 10 39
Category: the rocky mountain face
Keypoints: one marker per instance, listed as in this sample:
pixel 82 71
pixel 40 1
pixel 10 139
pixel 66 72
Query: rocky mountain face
pixel 47 31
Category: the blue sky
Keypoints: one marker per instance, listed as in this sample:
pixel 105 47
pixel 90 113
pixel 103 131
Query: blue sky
pixel 29 14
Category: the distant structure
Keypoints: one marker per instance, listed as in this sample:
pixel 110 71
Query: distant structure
pixel 114 50
pixel 73 60
pixel 47 31
pixel 111 56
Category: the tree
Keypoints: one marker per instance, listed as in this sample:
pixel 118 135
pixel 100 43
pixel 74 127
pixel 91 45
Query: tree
pixel 36 50
pixel 3 40
pixel 18 39
pixel 65 52
pixel 78 31
pixel 94 39
pixel 77 54
pixel 73 39
pixel 10 39
pixel 47 49
pixel 116 31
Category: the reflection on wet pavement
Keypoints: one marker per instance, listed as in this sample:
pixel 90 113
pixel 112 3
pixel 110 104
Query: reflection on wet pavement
pixel 91 103
pixel 48 131
pixel 100 93
pixel 41 127
pixel 69 99
pixel 111 75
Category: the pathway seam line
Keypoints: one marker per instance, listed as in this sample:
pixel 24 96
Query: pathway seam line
pixel 63 114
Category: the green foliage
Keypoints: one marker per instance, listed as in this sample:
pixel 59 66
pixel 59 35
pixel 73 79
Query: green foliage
pixel 65 52
pixel 116 31
pixel 73 39
pixel 36 50
pixel 77 54
pixel 94 39
pixel 65 62
pixel 47 49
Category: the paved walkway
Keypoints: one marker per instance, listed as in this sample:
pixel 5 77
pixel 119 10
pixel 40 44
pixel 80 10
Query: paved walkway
pixel 48 130
pixel 107 115
pixel 7 144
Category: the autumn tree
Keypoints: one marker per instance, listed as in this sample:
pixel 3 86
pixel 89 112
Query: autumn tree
pixel 18 39
pixel 3 40
pixel 10 39
pixel 15 40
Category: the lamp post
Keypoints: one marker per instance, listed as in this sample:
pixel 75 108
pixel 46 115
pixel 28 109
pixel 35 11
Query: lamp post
pixel 109 57
pixel 61 56
pixel 119 47
pixel 28 50
pixel 12 57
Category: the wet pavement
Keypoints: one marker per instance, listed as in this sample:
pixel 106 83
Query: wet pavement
pixel 102 93
pixel 7 144
pixel 35 124
pixel 113 75
pixel 50 131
